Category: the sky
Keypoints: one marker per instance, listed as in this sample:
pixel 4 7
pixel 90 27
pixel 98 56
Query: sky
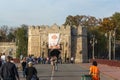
pixel 49 12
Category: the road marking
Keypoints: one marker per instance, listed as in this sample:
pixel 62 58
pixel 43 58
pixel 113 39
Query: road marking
pixel 52 75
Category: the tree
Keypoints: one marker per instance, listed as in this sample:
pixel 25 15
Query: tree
pixel 108 25
pixel 87 21
pixel 3 33
pixel 11 35
pixel 116 18
pixel 22 40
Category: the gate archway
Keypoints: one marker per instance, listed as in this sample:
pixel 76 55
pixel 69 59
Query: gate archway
pixel 55 52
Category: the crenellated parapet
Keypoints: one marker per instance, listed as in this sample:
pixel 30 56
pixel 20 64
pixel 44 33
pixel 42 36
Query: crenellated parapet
pixel 44 27
pixel 36 30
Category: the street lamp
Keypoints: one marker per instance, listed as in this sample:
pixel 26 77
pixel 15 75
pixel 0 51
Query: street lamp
pixel 93 41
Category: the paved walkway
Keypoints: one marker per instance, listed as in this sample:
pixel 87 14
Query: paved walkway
pixel 113 72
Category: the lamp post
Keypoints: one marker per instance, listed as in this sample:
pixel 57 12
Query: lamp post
pixel 93 41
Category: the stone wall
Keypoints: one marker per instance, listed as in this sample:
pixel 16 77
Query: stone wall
pixel 9 48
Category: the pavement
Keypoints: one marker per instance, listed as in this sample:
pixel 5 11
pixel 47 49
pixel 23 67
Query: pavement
pixel 111 71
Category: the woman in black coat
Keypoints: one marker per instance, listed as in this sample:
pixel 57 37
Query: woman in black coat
pixel 24 65
pixel 30 71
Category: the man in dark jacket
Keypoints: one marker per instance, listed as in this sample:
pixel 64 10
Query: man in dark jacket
pixel 9 71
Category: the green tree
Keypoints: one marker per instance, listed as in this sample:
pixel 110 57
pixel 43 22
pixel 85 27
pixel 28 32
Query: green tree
pixel 22 40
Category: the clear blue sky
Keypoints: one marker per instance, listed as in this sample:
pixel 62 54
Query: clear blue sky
pixel 48 12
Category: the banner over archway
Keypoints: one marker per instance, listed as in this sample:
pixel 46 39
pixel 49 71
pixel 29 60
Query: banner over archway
pixel 54 41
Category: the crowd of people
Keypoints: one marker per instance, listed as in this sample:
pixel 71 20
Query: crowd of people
pixel 41 60
pixel 9 70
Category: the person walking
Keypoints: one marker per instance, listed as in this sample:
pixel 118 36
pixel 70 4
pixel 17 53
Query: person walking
pixel 0 60
pixel 31 72
pixel 54 63
pixel 94 71
pixel 3 57
pixel 24 65
pixel 9 71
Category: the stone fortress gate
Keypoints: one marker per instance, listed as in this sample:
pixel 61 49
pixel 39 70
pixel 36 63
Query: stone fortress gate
pixel 71 41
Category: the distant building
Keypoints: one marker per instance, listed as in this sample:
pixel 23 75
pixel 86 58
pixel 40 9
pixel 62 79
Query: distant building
pixel 71 41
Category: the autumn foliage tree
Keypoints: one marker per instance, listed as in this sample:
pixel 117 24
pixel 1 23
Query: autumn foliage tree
pixel 107 24
pixel 116 18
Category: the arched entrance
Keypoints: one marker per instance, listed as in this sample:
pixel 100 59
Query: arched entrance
pixel 54 52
